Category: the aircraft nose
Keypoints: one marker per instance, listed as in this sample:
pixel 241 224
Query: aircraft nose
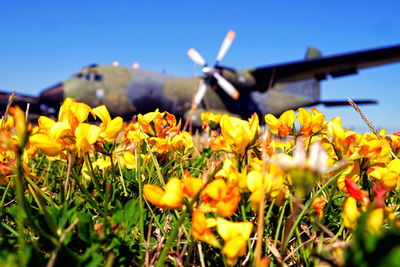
pixel 53 96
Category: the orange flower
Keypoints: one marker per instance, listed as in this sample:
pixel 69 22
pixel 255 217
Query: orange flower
pixel 311 123
pixel 373 148
pixel 394 140
pixel 152 123
pixel 21 126
pixel 281 126
pixel 223 199
pixel 232 175
pixel 170 198
pixel 191 186
pixel 355 192
pixel 318 204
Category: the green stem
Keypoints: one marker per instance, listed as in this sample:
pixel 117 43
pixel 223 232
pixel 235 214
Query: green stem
pixel 278 229
pixel 141 204
pixel 175 231
pixel 49 199
pixel 121 177
pixel 5 192
pixel 68 175
pixel 338 233
pixel 306 206
pixel 21 213
pixel 112 166
pixel 88 161
pixel 329 204
pixel 190 251
pixel 88 196
pixel 159 174
pixel 171 239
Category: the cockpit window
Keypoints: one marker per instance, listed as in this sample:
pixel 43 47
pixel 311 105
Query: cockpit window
pixel 98 77
pixel 91 76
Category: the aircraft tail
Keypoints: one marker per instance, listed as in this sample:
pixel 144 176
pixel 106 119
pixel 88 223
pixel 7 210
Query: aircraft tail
pixel 308 89
pixel 312 52
pixel 297 93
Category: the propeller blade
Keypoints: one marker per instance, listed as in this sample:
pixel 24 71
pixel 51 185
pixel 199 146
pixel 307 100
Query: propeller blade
pixel 226 86
pixel 196 57
pixel 200 92
pixel 225 45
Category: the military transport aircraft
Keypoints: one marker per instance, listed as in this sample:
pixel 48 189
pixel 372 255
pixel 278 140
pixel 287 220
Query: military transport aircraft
pixel 268 89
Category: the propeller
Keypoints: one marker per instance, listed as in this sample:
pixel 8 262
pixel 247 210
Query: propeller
pixel 212 72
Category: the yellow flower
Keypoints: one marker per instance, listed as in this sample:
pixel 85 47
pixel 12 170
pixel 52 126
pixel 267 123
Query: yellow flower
pixel 281 126
pixel 235 235
pixel 350 212
pixel 334 128
pixel 152 123
pixel 273 184
pixel 68 133
pixel 86 135
pixel 73 112
pixel 210 118
pixel 133 133
pixel 351 172
pixel 239 135
pixel 373 148
pixel 109 128
pixel 170 198
pixel 129 160
pixel 201 228
pixel 311 123
pixel 103 164
pixel 374 221
pixel 232 175
pixel 181 142
pixel 7 124
pixel 388 174
pixel 46 144
pixel 394 140
pixel 87 172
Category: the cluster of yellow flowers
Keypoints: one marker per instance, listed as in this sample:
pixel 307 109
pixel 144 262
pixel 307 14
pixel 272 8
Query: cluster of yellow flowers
pixel 296 162
pixel 282 163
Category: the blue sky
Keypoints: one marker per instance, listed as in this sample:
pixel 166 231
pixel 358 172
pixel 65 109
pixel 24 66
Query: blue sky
pixel 44 42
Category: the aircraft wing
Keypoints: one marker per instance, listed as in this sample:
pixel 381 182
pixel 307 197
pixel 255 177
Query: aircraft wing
pixel 320 68
pixel 335 103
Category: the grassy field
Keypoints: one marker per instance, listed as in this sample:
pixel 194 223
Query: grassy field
pixel 305 192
